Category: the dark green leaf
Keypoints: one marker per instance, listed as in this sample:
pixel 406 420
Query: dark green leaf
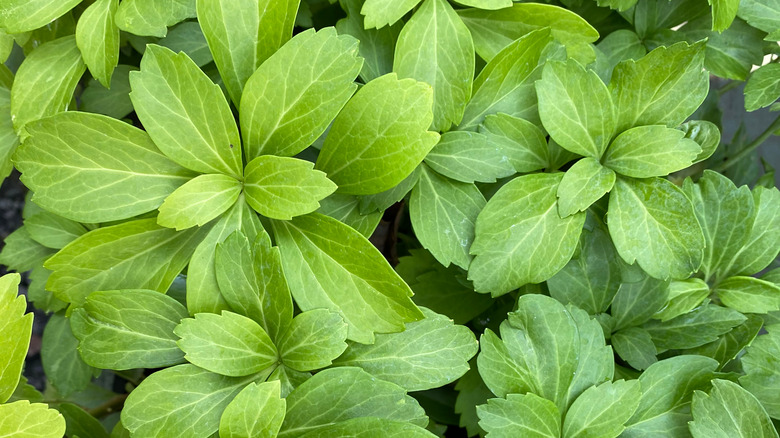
pixel 520 140
pixel 61 360
pixel 698 327
pixel 762 374
pixel 635 346
pixel 636 302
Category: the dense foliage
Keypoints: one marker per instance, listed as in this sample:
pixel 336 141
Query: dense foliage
pixel 573 252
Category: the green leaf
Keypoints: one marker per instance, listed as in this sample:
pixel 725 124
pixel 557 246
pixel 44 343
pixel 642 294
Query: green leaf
pixel 115 101
pixel 341 394
pixel 126 329
pixel 376 45
pixel 53 231
pixel 188 37
pixel 515 234
pixel 723 13
pixel 21 253
pixel 243 34
pixel 180 401
pixel 8 138
pixel 698 327
pixel 749 295
pixel 369 151
pixel 199 201
pixel 346 208
pixel 383 200
pixel 568 356
pixel 80 423
pixel 729 411
pixel 282 113
pixel 653 223
pixel 506 83
pixel 252 282
pixel 763 242
pixel 185 113
pixel 379 13
pixel 98 39
pixel 635 346
pixel 618 46
pixel 636 302
pixel 667 387
pixel 763 87
pixel 24 420
pixel 520 140
pixel 44 84
pixel 134 255
pixel 732 53
pixel 429 353
pixel 323 252
pixel 471 393
pixel 647 91
pixel 705 133
pixel 762 377
pixel 313 340
pixel 282 187
pixel 468 157
pixel 436 47
pixel 17 329
pixel 494 30
pixel 228 344
pixel 731 344
pixel 25 15
pixel 443 213
pixel 578 124
pixel 288 378
pixel 684 296
pixel 487 4
pixel 526 415
pixel 583 184
pixel 647 151
pixel 151 17
pixel 369 427
pixel 602 410
pixel 257 411
pixel 761 14
pixel 61 360
pixel 91 168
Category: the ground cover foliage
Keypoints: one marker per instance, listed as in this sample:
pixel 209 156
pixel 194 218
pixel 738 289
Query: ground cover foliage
pixel 573 251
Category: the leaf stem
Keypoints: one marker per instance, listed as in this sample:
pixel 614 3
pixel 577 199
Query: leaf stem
pixel 112 405
pixel 750 147
pixel 729 86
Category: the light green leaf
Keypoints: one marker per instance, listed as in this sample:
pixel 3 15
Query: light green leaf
pixel 292 98
pixel 25 15
pixel 684 296
pixel 698 327
pixel 635 346
pixel 443 213
pixel 583 184
pixel 761 14
pixel 729 411
pixel 228 344
pixel 257 411
pixel 188 37
pixel 346 208
pixel 520 140
pixel 44 84
pixel 520 415
pixel 494 30
pixel 126 329
pixel 705 133
pixel 762 375
pixel 8 138
pixel 288 378
pixel 723 13
pixel 383 200
pixel 379 13
pixel 341 394
pixel 520 238
pixel 469 156
pixel 428 354
pixel 486 4
pixel 252 282
pixel 731 344
pixel 376 45
pixel 243 34
pixel 647 151
pixel 114 102
pixel 199 201
pixel 53 231
pixel 580 124
pixel 185 113
pixel 98 39
pixel 506 83
pixel 313 340
pixel 21 253
pixel 152 17
pixel 436 47
pixel 134 255
pixel 647 91
pixel 61 360
pixel 282 187
pixel 24 420
pixel 16 328
pixel 323 253
pixel 371 150
pixel 91 168
pixel 749 295
pixel 602 410
pixel 763 242
pixel 180 401
pixel 653 223
pixel 636 302
pixel 369 427
pixel 763 87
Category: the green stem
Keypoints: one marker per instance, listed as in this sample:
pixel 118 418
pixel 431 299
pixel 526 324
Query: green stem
pixel 112 405
pixel 750 147
pixel 729 86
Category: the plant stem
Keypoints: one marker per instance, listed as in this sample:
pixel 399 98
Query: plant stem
pixel 729 86
pixel 112 405
pixel 750 147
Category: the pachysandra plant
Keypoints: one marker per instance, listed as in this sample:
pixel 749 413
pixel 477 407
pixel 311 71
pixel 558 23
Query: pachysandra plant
pixel 212 209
